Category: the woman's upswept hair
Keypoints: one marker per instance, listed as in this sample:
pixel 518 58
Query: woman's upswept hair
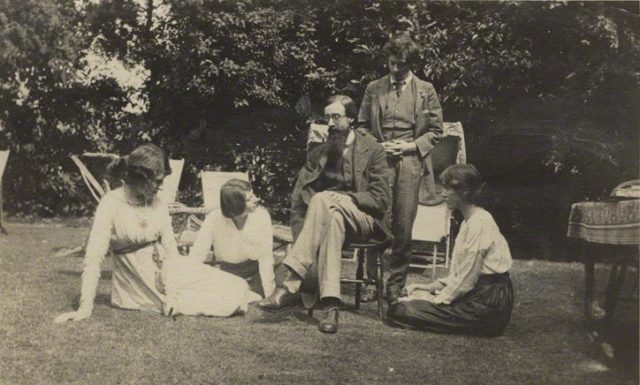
pixel 233 195
pixel 464 179
pixel 349 105
pixel 402 47
pixel 146 162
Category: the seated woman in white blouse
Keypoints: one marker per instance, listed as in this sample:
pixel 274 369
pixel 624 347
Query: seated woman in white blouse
pixel 477 296
pixel 241 235
pixel 148 273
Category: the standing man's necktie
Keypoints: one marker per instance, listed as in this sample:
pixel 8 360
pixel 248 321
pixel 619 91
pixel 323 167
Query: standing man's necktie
pixel 398 87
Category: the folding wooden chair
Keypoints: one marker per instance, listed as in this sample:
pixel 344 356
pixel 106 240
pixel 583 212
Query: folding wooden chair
pixel 212 182
pixel 98 186
pixel 4 157
pixel 432 228
pixel 99 183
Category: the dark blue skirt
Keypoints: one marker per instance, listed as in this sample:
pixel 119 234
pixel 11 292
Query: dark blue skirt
pixel 484 311
pixel 248 270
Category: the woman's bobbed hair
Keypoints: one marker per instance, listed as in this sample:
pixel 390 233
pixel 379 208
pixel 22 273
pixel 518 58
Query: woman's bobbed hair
pixel 233 197
pixel 465 179
pixel 145 163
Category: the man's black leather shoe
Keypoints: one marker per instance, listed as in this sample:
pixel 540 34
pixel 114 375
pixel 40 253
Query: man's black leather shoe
pixel 279 300
pixel 330 323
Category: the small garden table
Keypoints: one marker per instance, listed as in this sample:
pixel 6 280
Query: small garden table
pixel 615 222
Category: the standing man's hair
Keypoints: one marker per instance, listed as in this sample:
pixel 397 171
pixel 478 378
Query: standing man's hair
pixel 402 47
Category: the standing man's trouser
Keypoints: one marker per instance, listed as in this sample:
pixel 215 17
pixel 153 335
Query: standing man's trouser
pixel 330 218
pixel 406 171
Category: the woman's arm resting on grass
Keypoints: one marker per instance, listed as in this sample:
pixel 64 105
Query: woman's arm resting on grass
pixel 97 248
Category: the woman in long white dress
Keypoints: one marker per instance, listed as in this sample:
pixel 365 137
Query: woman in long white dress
pixel 148 272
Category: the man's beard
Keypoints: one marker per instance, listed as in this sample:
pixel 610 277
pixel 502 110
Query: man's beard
pixel 337 141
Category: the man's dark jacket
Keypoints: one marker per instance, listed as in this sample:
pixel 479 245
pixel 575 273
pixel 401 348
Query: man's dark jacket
pixel 371 193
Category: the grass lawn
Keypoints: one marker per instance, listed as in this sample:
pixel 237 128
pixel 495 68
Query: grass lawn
pixel 546 343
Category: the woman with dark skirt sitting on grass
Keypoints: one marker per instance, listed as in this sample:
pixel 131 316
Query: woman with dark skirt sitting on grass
pixel 477 295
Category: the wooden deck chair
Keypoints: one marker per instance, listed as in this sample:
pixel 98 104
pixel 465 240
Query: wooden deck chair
pixel 4 157
pixel 169 190
pixel 212 182
pixel 431 231
pixel 99 183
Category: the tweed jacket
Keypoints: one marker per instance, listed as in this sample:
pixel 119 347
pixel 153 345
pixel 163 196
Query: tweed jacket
pixel 372 192
pixel 428 114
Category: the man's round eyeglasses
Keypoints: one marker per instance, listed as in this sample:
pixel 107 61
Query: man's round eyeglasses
pixel 325 119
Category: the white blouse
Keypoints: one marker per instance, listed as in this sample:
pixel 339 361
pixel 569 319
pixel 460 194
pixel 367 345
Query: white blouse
pixel 479 249
pixel 231 245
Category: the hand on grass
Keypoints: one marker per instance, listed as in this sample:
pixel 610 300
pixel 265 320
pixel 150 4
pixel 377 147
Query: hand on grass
pixel 169 309
pixel 73 316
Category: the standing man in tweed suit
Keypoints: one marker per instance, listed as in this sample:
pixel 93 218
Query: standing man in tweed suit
pixel 404 114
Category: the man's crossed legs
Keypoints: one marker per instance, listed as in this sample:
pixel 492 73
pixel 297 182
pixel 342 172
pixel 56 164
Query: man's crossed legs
pixel 331 217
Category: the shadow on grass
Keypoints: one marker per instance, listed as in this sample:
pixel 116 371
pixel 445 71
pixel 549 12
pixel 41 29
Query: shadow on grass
pixel 302 316
pixel 101 299
pixel 106 275
pixel 258 316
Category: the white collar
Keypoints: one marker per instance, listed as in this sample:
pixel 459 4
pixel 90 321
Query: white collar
pixel 350 138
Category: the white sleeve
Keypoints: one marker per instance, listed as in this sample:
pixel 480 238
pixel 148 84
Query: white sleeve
pixel 464 275
pixel 97 248
pixel 204 240
pixel 265 253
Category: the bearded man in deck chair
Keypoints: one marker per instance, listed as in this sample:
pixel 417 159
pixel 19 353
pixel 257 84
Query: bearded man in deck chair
pixel 341 193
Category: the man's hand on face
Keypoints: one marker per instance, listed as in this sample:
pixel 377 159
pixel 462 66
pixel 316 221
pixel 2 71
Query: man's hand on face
pixel 399 147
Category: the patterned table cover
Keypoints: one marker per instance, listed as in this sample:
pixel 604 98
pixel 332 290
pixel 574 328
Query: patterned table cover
pixel 615 222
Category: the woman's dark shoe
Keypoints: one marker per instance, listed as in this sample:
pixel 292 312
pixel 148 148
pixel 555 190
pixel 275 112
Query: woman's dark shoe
pixel 279 300
pixel 370 294
pixel 330 323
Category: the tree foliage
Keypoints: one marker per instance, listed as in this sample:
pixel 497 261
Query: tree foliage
pixel 230 83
